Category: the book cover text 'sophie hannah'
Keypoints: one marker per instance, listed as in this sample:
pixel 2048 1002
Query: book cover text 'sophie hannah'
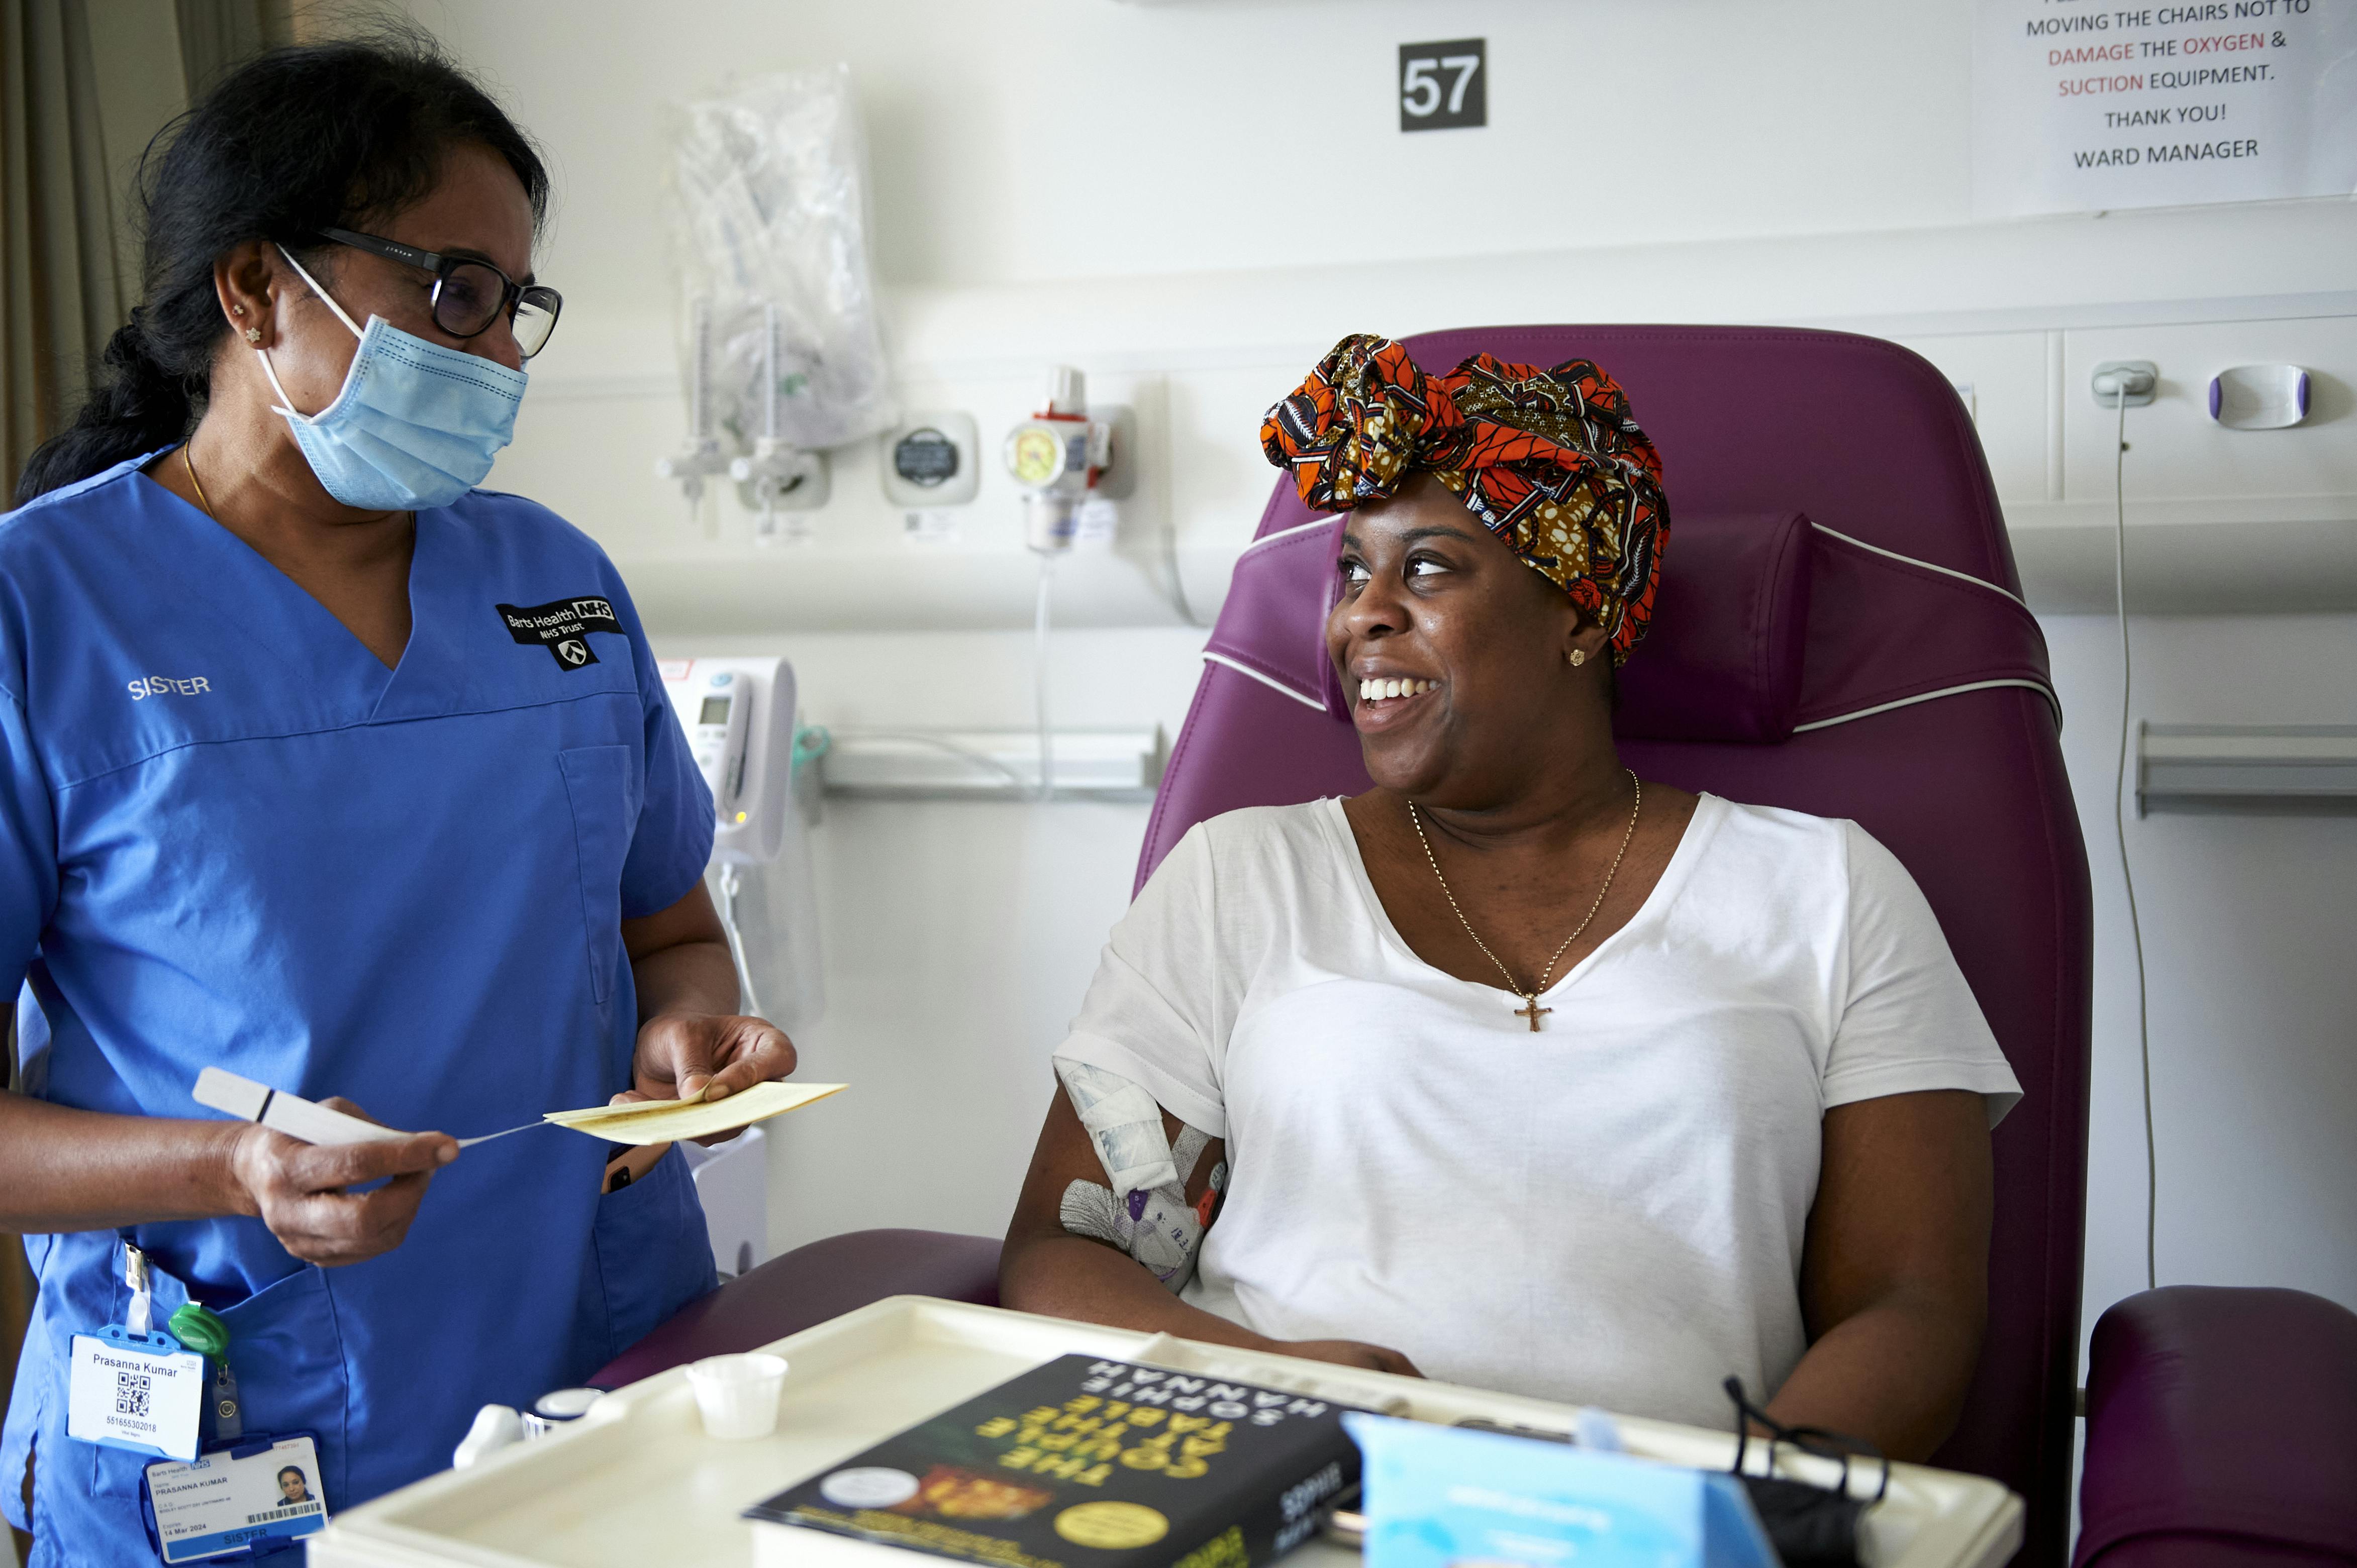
pixel 1084 1463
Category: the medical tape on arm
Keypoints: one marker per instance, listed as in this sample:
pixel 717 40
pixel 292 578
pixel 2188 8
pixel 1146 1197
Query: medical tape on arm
pixel 1145 1211
pixel 1124 1126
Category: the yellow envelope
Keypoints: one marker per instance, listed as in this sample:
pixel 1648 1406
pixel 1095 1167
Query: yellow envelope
pixel 668 1121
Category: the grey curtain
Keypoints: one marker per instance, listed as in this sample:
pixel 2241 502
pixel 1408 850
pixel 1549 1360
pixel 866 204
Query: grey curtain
pixel 84 87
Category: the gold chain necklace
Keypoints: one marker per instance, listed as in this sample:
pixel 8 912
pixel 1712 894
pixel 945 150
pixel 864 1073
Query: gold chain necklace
pixel 1531 1008
pixel 189 464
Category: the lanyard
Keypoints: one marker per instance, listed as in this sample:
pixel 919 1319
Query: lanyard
pixel 135 1275
pixel 201 1330
pixel 196 1326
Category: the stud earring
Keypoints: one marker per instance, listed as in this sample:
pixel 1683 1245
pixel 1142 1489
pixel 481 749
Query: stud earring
pixel 237 310
pixel 1578 657
pixel 253 334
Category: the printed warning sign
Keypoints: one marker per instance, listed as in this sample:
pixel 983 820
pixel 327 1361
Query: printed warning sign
pixel 2081 107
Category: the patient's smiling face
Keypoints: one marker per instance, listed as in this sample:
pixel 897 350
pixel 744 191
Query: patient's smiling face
pixel 1453 654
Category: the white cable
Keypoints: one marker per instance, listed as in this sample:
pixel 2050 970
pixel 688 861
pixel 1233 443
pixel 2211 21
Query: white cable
pixel 752 1006
pixel 918 737
pixel 2120 832
pixel 1039 660
pixel 1179 600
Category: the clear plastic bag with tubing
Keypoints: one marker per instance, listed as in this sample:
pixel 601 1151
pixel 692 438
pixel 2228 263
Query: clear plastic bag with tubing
pixel 768 187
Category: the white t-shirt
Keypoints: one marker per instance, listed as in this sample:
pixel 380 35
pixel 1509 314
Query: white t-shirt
pixel 1609 1212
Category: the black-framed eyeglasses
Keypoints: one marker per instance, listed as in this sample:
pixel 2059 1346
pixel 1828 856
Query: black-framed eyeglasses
pixel 1806 1523
pixel 470 295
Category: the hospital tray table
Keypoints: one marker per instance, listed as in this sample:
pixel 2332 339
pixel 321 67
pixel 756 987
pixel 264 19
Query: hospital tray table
pixel 636 1481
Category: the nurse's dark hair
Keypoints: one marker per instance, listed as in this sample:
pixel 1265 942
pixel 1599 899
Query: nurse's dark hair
pixel 332 134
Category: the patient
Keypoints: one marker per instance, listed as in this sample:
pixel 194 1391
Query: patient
pixel 1516 1070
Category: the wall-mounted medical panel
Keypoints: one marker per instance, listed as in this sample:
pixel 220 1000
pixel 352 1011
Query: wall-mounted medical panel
pixel 993 764
pixel 2178 453
pixel 2220 520
pixel 856 563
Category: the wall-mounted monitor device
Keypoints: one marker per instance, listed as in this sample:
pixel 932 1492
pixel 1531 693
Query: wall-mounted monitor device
pixel 739 717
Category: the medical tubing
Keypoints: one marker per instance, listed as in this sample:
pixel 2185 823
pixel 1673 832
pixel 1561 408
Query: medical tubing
pixel 770 369
pixel 2120 832
pixel 699 376
pixel 917 737
pixel 729 883
pixel 1039 661
pixel 1178 599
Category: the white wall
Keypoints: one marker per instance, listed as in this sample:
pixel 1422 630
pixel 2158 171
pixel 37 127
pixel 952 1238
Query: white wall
pixel 1190 200
pixel 2247 924
pixel 1018 141
pixel 1193 199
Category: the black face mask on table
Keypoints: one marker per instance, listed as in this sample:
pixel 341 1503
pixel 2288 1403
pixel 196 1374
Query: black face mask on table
pixel 1810 1526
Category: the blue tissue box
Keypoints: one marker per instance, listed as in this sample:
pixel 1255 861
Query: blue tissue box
pixel 1440 1496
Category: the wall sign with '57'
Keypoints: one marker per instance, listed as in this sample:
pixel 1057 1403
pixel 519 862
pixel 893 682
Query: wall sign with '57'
pixel 1444 86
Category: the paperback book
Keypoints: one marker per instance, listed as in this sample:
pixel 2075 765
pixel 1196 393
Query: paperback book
pixel 1084 1463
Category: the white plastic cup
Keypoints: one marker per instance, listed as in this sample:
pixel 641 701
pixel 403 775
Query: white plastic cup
pixel 737 1395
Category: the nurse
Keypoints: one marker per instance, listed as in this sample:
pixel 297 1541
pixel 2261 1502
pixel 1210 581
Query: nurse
pixel 321 764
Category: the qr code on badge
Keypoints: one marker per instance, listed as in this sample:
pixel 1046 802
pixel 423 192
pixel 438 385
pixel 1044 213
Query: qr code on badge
pixel 131 1390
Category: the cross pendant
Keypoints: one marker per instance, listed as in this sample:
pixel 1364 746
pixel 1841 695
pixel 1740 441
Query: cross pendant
pixel 1531 1010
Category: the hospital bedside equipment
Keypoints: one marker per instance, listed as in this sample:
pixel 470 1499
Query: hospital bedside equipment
pixel 778 475
pixel 702 456
pixel 1067 455
pixel 783 354
pixel 738 714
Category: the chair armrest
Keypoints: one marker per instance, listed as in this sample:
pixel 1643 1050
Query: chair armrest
pixel 2224 1416
pixel 809 1286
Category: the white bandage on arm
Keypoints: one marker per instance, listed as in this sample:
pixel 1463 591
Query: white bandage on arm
pixel 1145 1211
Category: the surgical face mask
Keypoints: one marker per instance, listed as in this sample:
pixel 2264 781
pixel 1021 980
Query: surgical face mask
pixel 415 425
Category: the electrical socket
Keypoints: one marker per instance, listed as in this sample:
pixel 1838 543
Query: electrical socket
pixel 2132 382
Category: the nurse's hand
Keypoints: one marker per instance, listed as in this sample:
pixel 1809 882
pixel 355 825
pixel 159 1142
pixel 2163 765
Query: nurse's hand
pixel 683 1054
pixel 299 1189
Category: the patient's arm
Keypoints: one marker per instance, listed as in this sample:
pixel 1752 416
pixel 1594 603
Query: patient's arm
pixel 1894 1275
pixel 1047 1269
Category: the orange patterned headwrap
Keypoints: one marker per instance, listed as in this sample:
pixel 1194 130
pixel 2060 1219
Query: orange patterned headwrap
pixel 1550 461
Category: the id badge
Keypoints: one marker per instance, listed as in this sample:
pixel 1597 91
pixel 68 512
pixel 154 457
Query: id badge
pixel 140 1391
pixel 232 1500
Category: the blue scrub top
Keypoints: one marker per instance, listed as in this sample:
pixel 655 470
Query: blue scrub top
pixel 230 835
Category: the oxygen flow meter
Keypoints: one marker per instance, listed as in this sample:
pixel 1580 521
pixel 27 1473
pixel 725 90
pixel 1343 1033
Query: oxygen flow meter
pixel 1056 458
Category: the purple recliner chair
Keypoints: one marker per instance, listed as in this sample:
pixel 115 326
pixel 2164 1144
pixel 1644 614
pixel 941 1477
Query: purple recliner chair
pixel 1839 630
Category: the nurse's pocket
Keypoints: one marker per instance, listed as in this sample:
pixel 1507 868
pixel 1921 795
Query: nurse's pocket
pixel 289 1355
pixel 654 1252
pixel 603 786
